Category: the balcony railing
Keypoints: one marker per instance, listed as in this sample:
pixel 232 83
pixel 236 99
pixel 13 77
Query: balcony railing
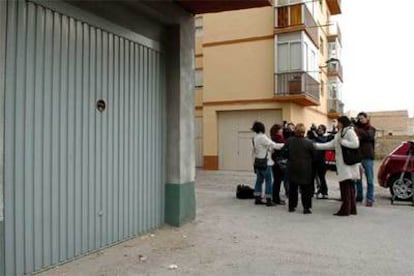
pixel 298 85
pixel 334 6
pixel 334 32
pixel 335 70
pixel 335 108
pixel 296 17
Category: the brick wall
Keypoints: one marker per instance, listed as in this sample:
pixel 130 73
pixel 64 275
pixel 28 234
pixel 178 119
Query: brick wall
pixel 384 145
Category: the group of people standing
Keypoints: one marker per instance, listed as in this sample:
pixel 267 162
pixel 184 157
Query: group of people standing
pixel 305 155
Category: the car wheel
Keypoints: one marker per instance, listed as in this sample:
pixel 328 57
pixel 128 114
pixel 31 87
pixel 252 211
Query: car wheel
pixel 401 188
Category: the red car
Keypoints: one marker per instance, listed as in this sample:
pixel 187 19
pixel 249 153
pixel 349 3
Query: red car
pixel 397 171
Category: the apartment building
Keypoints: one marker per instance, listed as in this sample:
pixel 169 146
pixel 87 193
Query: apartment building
pixel 272 64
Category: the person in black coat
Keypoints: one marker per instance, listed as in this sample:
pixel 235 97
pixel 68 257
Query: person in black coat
pixel 317 135
pixel 299 152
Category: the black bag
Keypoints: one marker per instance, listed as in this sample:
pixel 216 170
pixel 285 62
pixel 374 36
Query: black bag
pixel 351 156
pixel 244 192
pixel 260 164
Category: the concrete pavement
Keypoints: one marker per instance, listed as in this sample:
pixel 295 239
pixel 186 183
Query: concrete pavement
pixel 235 237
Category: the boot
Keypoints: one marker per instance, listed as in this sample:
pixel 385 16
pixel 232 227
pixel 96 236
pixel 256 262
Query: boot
pixel 269 202
pixel 258 200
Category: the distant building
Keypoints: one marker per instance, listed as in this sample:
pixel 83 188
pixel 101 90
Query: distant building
pixel 391 122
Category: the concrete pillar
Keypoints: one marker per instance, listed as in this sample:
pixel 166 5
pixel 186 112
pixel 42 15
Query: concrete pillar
pixel 180 186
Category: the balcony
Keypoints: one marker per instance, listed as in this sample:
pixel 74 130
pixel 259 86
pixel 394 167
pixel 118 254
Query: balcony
pixel 334 6
pixel 297 87
pixel 296 18
pixel 335 108
pixel 335 70
pixel 203 6
pixel 334 33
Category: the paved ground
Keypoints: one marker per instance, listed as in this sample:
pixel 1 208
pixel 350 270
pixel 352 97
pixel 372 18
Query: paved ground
pixel 234 237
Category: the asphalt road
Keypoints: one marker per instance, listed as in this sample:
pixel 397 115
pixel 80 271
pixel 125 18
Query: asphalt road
pixel 235 237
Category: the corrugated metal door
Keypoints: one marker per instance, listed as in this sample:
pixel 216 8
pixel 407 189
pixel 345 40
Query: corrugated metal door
pixel 77 179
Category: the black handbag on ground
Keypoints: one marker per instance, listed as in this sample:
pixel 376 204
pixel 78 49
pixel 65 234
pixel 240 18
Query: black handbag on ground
pixel 244 192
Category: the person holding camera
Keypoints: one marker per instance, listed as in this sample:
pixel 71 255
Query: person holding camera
pixel 317 135
pixel 366 134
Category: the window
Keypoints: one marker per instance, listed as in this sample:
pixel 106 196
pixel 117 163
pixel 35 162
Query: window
pixel 321 46
pixel 289 56
pixel 296 52
pixel 198 25
pixel 322 89
pixel 289 16
pixel 199 78
pixel 333 91
pixel 283 16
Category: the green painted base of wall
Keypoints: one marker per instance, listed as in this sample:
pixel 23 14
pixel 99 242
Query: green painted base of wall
pixel 2 253
pixel 179 203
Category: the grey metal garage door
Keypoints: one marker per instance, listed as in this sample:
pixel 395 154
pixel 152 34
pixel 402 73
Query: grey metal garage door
pixel 77 179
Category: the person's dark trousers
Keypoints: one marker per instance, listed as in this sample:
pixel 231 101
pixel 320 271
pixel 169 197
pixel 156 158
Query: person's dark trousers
pixel 286 183
pixel 320 171
pixel 293 195
pixel 306 192
pixel 342 191
pixel 277 181
pixel 353 202
pixel 348 198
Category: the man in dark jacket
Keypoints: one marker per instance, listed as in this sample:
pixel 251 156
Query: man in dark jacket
pixel 366 134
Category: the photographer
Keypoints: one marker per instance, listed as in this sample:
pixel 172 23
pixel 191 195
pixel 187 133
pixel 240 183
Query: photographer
pixel 318 135
pixel 366 134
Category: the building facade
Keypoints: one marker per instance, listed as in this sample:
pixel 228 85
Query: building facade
pixel 272 64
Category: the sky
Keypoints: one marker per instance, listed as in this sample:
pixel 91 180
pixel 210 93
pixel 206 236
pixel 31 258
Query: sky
pixel 378 55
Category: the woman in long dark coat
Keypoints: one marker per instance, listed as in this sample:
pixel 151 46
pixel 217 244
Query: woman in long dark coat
pixel 299 152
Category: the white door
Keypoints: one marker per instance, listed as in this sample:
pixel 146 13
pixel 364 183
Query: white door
pixel 235 136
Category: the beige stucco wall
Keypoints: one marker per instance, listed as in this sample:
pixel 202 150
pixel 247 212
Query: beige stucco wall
pixel 198 46
pixel 297 114
pixel 239 71
pixel 238 24
pixel 198 98
pixel 199 62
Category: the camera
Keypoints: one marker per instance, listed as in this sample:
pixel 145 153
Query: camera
pixel 355 121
